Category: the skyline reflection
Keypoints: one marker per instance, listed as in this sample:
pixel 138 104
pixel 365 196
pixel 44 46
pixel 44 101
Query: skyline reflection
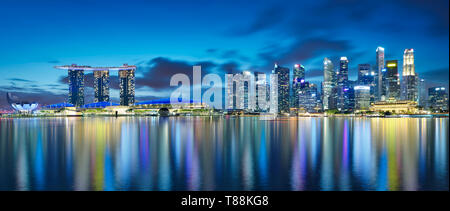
pixel 223 153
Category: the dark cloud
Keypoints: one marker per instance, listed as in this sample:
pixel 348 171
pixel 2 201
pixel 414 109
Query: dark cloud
pixel 20 80
pixel 438 75
pixel 230 68
pixel 158 71
pixel 34 95
pixel 266 19
pixel 303 50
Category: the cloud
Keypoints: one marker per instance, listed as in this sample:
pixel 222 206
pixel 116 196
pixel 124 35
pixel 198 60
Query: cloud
pixel 268 18
pixel 31 95
pixel 437 75
pixel 302 50
pixel 20 80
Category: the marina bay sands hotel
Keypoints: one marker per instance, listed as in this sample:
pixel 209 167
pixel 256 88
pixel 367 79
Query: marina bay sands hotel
pixel 101 83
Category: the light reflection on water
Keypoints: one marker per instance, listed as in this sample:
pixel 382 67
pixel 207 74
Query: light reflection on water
pixel 229 153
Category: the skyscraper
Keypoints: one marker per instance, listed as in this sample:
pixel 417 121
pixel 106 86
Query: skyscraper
pixel 393 83
pixel 101 86
pixel 380 90
pixel 362 97
pixel 127 85
pixel 367 77
pixel 308 98
pixel 76 86
pixel 438 99
pixel 423 95
pixel 343 86
pixel 329 83
pixel 261 91
pixel 297 83
pixel 363 70
pixel 409 77
pixel 283 88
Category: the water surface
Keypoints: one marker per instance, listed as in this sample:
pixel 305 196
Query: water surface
pixel 223 153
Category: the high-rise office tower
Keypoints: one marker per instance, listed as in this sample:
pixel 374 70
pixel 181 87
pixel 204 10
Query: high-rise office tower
pixel 298 83
pixel 362 97
pixel 261 91
pixel 76 86
pixel 329 83
pixel 308 98
pixel 367 77
pixel 101 86
pixel 409 77
pixel 363 70
pixel 423 95
pixel 127 85
pixel 438 99
pixel 343 86
pixel 393 83
pixel 283 88
pixel 249 95
pixel 380 90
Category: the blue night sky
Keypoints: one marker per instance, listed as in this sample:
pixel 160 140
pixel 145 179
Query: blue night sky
pixel 167 37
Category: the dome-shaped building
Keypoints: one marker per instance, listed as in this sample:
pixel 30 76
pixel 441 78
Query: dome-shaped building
pixel 19 106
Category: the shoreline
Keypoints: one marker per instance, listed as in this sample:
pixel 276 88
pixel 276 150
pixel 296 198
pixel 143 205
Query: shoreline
pixel 446 115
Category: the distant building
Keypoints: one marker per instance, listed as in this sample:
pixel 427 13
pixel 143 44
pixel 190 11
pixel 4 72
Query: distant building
pixel 261 91
pixel 20 106
pixel 101 83
pixel 396 107
pixel 297 83
pixel 283 88
pixel 127 86
pixel 363 71
pixel 343 102
pixel 379 67
pixel 76 85
pixel 423 94
pixel 239 93
pixel 367 77
pixel 393 83
pixel 101 86
pixel 329 89
pixel 409 77
pixel 362 97
pixel 438 99
pixel 309 98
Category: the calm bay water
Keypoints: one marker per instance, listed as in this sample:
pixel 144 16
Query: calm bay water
pixel 224 153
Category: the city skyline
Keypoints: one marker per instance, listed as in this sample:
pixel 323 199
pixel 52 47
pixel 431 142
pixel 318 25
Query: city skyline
pixel 234 49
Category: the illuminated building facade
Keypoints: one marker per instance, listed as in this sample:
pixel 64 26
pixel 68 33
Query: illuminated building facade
pixel 283 88
pixel 309 98
pixel 423 94
pixel 127 86
pixel 101 83
pixel 329 85
pixel 343 102
pixel 393 83
pixel 367 77
pixel 409 77
pixel 379 67
pixel 396 107
pixel 362 97
pixel 297 84
pixel 76 86
pixel 261 91
pixel 101 86
pixel 438 99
